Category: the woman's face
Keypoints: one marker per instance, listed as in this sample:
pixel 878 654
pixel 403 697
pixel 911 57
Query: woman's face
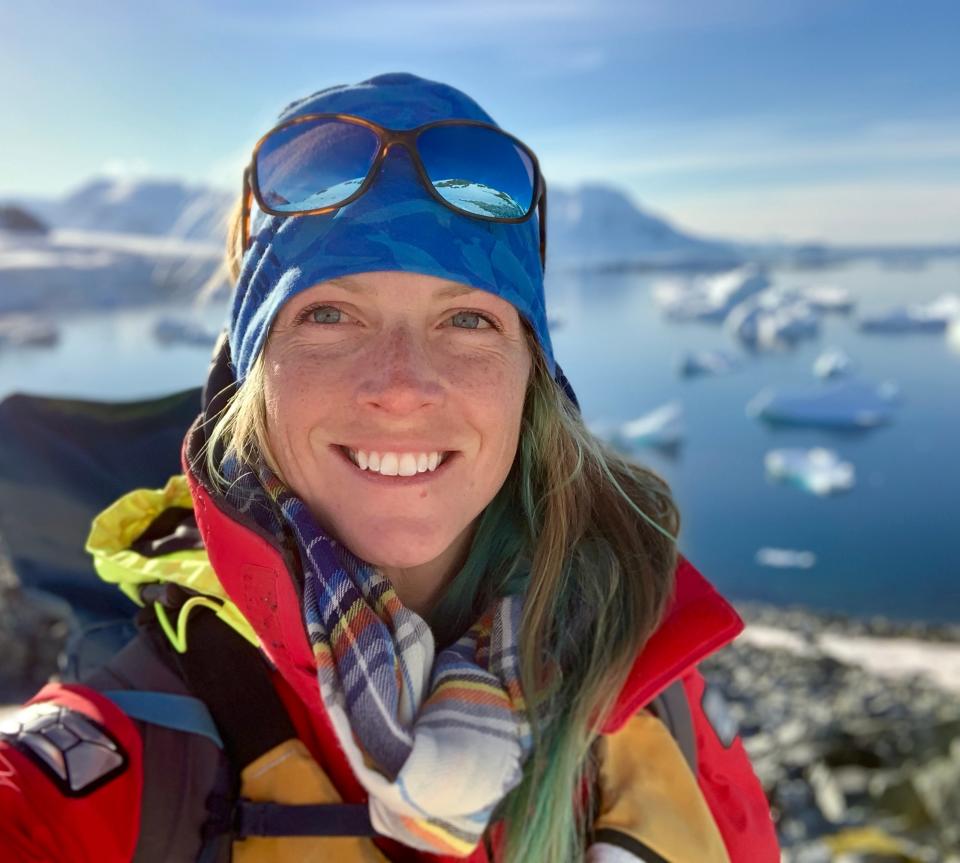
pixel 410 367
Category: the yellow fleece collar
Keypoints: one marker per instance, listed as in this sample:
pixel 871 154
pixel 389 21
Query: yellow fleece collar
pixel 115 529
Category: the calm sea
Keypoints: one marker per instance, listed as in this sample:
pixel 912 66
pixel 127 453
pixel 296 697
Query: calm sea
pixel 889 546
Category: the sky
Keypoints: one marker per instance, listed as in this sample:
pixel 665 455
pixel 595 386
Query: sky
pixel 745 119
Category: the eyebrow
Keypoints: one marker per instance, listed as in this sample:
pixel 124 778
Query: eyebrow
pixel 453 290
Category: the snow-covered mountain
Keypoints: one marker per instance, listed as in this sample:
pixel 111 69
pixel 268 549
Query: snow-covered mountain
pixel 589 226
pixel 597 225
pixel 149 207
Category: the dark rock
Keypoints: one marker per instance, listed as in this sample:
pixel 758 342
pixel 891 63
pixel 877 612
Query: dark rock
pixel 18 220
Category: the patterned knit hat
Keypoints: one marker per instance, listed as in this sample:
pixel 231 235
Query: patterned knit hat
pixel 395 225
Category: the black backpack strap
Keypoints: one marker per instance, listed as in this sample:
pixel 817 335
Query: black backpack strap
pixel 233 679
pixel 323 819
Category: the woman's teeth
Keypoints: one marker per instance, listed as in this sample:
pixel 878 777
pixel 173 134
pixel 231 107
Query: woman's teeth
pixel 396 463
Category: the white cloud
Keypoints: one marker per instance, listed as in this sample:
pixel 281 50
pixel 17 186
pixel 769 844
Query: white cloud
pixel 625 150
pixel 125 169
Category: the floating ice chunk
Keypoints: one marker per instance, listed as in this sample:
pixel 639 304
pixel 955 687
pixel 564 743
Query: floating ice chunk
pixel 832 363
pixel 817 470
pixel 785 558
pixel 934 317
pixel 953 335
pixel 172 331
pixel 660 427
pixel 837 404
pixel 20 331
pixel 772 320
pixel 828 298
pixel 709 298
pixel 695 363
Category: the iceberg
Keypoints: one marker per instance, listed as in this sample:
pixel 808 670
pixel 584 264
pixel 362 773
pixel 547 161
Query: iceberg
pixel 953 335
pixel 661 428
pixel 19 331
pixel 845 404
pixel 773 320
pixel 934 317
pixel 785 558
pixel 832 363
pixel 828 298
pixel 709 298
pixel 819 470
pixel 697 363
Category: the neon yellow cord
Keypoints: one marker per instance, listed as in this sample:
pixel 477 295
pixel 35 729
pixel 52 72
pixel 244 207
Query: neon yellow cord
pixel 178 638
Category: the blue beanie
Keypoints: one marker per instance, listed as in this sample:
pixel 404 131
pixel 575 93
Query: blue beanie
pixel 395 225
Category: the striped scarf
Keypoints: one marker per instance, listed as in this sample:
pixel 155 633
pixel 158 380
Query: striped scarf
pixel 437 738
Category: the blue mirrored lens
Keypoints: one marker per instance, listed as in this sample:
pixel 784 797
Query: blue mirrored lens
pixel 314 164
pixel 478 170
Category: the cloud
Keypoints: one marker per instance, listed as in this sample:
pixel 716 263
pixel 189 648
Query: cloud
pixel 124 169
pixel 751 143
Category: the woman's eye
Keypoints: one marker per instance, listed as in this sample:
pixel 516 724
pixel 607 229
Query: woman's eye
pixel 471 321
pixel 325 315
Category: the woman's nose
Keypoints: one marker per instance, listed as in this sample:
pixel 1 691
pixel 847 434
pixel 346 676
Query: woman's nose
pixel 400 376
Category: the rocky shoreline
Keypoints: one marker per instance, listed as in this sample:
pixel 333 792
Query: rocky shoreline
pixel 859 764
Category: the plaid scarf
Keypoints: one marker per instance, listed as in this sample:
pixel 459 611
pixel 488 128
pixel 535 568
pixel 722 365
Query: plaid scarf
pixel 437 739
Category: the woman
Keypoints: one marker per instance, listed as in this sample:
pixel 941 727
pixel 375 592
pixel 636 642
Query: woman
pixel 401 605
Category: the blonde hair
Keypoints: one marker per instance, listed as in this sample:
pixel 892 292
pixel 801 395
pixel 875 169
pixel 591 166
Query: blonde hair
pixel 589 536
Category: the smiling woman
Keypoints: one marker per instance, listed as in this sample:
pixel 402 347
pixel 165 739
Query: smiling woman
pixel 421 613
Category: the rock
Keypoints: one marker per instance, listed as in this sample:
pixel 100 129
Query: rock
pixel 23 330
pixel 19 221
pixel 34 628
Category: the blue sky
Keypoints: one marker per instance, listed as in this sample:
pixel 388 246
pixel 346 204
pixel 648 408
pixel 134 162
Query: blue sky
pixel 740 118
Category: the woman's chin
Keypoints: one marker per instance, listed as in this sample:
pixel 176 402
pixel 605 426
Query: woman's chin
pixel 399 549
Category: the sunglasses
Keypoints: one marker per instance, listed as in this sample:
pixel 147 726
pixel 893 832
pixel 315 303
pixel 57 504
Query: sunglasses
pixel 317 163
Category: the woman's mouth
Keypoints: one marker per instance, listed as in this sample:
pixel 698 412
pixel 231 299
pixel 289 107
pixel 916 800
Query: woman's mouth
pixel 397 467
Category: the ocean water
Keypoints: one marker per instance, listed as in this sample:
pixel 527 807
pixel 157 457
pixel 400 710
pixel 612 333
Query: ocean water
pixel 889 546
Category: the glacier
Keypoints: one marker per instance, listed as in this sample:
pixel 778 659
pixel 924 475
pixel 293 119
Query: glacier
pixel 74 269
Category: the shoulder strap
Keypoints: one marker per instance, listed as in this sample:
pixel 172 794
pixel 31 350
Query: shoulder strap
pixel 233 679
pixel 672 708
pixel 178 712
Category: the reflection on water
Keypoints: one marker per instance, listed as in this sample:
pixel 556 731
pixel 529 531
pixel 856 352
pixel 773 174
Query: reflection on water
pixel 885 547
